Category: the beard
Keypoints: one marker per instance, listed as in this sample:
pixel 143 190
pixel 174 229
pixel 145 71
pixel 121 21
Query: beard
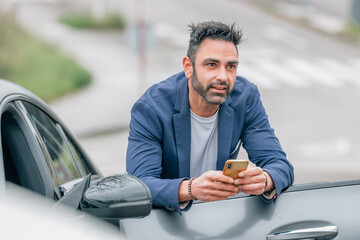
pixel 205 91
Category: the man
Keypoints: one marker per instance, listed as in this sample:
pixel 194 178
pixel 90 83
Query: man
pixel 187 126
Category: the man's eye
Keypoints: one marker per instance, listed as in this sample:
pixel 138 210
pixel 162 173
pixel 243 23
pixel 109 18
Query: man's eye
pixel 211 65
pixel 231 67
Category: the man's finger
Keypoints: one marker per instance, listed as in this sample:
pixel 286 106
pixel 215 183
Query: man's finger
pixel 225 187
pixel 217 176
pixel 250 180
pixel 257 188
pixel 251 172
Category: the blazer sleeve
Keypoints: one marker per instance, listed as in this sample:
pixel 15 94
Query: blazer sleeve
pixel 144 156
pixel 262 145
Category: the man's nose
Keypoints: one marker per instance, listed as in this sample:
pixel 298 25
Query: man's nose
pixel 221 74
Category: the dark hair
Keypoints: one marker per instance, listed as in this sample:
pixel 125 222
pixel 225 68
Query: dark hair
pixel 214 31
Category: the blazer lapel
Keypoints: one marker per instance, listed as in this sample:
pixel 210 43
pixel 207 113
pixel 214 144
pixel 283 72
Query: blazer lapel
pixel 225 131
pixel 182 128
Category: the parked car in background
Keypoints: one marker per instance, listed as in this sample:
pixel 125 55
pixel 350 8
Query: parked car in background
pixel 40 154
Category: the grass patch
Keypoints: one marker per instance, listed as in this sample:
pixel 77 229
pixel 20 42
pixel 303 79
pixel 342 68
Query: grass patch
pixel 86 20
pixel 352 30
pixel 37 66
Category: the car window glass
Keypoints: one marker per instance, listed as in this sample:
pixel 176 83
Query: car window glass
pixel 78 157
pixel 56 147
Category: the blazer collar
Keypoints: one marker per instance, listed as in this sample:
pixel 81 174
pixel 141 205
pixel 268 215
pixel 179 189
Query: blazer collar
pixel 225 131
pixel 182 128
pixel 182 98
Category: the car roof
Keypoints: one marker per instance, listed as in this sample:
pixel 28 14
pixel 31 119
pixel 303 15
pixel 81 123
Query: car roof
pixel 9 88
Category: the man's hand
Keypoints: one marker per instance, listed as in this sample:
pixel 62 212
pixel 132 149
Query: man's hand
pixel 252 181
pixel 210 186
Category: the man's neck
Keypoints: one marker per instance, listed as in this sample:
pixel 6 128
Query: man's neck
pixel 204 112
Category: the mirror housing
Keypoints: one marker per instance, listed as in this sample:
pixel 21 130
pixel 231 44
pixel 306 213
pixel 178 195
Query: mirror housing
pixel 117 196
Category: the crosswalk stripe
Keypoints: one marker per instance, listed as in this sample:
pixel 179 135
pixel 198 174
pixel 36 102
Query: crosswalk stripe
pixel 343 71
pixel 281 74
pixel 312 71
pixel 301 73
pixel 286 37
pixel 254 75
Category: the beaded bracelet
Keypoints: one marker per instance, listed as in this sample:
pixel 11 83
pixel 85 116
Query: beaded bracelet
pixel 189 189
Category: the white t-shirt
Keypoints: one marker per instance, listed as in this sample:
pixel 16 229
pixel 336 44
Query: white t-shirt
pixel 204 148
pixel 204 144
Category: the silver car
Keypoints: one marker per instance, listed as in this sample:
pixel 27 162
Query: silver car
pixel 39 153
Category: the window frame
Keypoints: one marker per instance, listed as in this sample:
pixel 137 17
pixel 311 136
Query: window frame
pixel 66 138
pixel 9 105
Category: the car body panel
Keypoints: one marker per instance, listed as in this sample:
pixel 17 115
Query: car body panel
pixel 249 217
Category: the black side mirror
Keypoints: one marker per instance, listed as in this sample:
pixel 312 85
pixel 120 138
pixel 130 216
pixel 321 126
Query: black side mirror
pixel 117 196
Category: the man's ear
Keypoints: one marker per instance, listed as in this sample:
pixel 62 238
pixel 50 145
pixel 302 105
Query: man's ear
pixel 188 67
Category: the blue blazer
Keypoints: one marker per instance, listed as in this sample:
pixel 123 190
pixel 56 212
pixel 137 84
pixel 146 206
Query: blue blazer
pixel 159 138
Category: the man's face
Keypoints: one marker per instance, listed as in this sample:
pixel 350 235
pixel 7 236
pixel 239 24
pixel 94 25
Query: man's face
pixel 214 71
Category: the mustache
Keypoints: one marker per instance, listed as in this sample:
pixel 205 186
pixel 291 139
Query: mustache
pixel 219 83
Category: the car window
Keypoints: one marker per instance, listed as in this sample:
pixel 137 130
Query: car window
pixel 78 157
pixel 56 148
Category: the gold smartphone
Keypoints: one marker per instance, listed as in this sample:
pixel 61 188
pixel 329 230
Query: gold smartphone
pixel 233 167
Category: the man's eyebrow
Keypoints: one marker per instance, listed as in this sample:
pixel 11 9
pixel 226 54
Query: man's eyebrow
pixel 211 60
pixel 217 61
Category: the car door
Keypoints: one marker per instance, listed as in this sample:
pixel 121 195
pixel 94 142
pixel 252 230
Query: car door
pixel 329 210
